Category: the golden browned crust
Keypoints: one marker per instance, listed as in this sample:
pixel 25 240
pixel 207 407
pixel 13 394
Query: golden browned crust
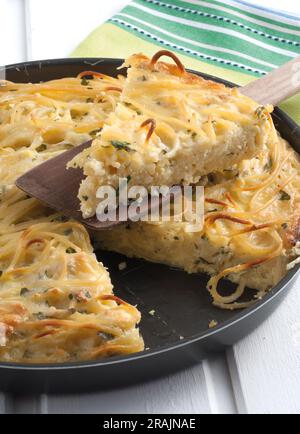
pixel 143 62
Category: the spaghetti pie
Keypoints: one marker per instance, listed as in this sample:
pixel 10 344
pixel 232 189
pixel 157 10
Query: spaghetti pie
pixel 170 127
pixel 161 125
pixel 251 231
pixel 56 299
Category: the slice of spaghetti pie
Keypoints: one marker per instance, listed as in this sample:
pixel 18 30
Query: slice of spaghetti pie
pixel 56 298
pixel 170 127
pixel 251 231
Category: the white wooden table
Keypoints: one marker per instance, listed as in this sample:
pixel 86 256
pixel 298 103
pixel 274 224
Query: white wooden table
pixel 261 374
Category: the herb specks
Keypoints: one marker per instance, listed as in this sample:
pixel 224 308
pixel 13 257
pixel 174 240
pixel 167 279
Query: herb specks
pixel 284 195
pixel 24 291
pixel 121 146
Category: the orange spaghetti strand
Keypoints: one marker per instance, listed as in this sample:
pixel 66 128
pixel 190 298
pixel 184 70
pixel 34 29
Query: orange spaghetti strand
pixel 254 228
pixel 221 216
pixel 216 202
pixel 115 88
pixel 113 298
pixel 152 124
pixel 36 241
pixel 168 53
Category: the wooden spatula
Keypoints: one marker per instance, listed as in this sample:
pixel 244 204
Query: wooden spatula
pixel 276 86
pixel 57 187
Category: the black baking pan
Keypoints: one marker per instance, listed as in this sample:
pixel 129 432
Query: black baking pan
pixel 177 335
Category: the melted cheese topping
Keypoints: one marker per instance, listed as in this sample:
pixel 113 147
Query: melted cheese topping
pixel 170 127
pixel 56 299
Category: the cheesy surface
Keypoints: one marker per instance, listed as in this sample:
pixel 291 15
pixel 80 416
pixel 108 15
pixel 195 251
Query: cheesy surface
pixel 170 127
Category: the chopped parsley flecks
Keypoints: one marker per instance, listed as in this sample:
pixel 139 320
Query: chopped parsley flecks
pixel 121 146
pixel 40 316
pixel 84 81
pixel 202 261
pixel 268 166
pixel 261 113
pixel 93 133
pixel 24 291
pixel 284 195
pixel 41 148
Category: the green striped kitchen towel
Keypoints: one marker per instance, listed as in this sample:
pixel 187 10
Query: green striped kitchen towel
pixel 230 39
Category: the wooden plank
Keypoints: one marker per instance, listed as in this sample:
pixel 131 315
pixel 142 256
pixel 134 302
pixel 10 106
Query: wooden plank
pixel 218 384
pixel 56 28
pixel 265 366
pixel 183 393
pixel 2 403
pixel 205 388
pixel 23 404
pixel 12 32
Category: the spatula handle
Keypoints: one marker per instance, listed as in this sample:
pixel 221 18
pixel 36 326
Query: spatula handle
pixel 276 86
